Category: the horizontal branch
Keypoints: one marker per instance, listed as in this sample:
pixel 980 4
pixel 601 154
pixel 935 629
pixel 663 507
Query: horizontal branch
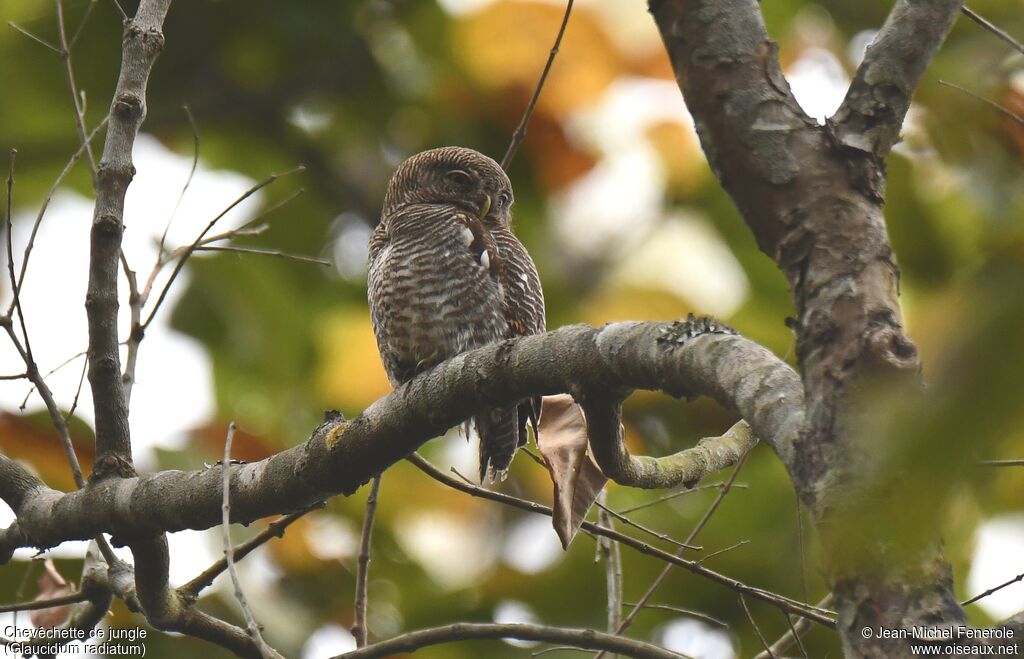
pixel 342 455
pixel 468 631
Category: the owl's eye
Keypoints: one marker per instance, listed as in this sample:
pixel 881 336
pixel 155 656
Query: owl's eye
pixel 504 199
pixel 459 178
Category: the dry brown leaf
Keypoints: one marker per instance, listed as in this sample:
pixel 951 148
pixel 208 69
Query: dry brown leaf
pixel 563 444
pixel 51 585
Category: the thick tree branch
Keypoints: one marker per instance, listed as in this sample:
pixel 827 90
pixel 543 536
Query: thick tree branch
pixel 341 456
pixel 812 195
pixel 468 631
pixel 143 41
pixel 871 115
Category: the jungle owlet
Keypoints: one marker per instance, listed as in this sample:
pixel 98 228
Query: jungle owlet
pixel 447 275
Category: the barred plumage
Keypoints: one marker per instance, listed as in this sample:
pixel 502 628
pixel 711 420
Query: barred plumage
pixel 447 275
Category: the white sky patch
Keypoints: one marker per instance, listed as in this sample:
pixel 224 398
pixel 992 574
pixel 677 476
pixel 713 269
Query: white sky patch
pixel 331 537
pixel 464 7
pixel 858 46
pixel 510 612
pixel 819 82
pixel 684 255
pixel 328 641
pixel 531 545
pixel 999 557
pixel 433 538
pixel 619 199
pixel 54 294
pixel 173 390
pixel 696 639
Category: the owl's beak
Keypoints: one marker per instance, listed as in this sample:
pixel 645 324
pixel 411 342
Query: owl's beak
pixel 485 206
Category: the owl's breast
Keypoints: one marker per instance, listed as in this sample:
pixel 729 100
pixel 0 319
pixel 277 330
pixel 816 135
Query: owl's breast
pixel 430 296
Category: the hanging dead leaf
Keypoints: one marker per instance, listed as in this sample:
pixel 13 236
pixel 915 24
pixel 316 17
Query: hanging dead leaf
pixel 52 585
pixel 563 444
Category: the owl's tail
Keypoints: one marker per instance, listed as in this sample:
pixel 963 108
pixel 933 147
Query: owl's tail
pixel 499 438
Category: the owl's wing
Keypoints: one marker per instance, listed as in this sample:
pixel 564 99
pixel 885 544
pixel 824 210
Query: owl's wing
pixel 524 297
pixel 378 239
pixel 523 305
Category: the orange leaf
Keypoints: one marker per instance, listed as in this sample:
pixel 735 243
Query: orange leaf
pixel 563 443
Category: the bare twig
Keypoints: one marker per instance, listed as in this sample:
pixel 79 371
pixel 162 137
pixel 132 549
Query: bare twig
pixel 135 303
pixel 992 104
pixel 1002 34
pixel 520 133
pixel 757 630
pixel 275 529
pixel 610 553
pixel 359 629
pixel 33 37
pixel 795 631
pixel 10 260
pixel 81 23
pixel 628 620
pixel 188 179
pixel 1019 577
pixel 78 392
pixel 49 196
pixel 265 252
pixel 675 495
pixel 465 631
pixel 53 370
pixel 735 545
pixel 1002 463
pixel 229 555
pixel 684 611
pixel 120 9
pixel 76 99
pixel 820 616
pixel 195 243
pixel 44 604
pixel 640 527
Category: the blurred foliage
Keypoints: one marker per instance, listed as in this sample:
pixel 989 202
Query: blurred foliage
pixel 350 89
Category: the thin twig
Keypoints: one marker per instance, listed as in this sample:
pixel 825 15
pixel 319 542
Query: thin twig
pixel 757 630
pixel 10 261
pixel 35 605
pixel 1019 577
pixel 796 634
pixel 33 37
pixel 795 630
pixel 627 521
pixel 1002 463
pixel 265 252
pixel 191 248
pixel 628 620
pixel 49 196
pixel 520 133
pixel 735 545
pixel 684 611
pixel 359 628
pixel 81 23
pixel 465 631
pixel 135 335
pixel 188 179
pixel 53 370
pixel 229 555
pixel 274 530
pixel 1002 34
pixel 820 616
pixel 1005 111
pixel 120 9
pixel 21 589
pixel 78 392
pixel 674 495
pixel 69 76
pixel 558 648
pixel 610 553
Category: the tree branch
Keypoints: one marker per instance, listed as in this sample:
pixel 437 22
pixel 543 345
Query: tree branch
pixel 143 41
pixel 871 115
pixel 467 631
pixel 340 456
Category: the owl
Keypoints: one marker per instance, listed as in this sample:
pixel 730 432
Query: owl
pixel 447 275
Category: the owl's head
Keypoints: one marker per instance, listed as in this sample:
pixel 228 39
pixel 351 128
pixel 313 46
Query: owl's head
pixel 452 175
